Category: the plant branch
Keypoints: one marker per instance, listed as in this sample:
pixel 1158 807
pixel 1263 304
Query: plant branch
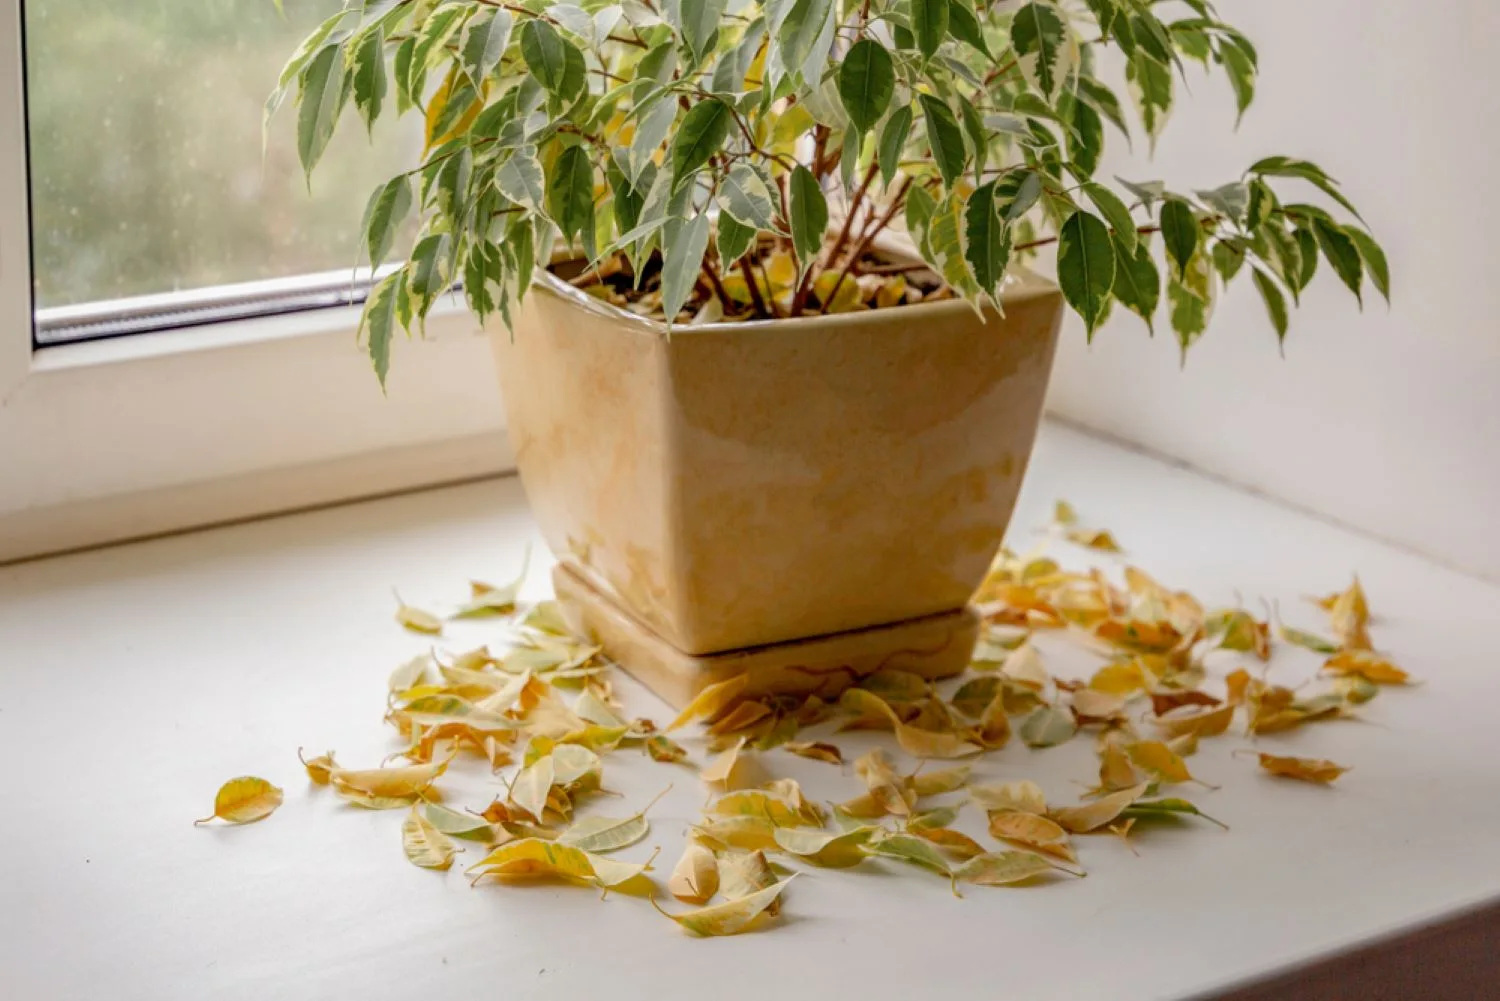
pixel 756 299
pixel 712 274
pixel 869 235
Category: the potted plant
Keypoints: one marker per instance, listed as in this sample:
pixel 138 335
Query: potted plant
pixel 772 359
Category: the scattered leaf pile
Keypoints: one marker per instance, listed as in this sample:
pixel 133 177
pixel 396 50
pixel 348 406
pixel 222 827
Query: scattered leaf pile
pixel 542 710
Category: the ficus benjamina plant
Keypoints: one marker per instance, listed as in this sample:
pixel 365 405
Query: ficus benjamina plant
pixel 739 158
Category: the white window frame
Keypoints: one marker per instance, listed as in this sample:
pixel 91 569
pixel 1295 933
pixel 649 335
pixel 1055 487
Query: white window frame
pixel 150 433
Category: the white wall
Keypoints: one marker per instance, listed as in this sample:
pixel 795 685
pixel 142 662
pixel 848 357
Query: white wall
pixel 1386 420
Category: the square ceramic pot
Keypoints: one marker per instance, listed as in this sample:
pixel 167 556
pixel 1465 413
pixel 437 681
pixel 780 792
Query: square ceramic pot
pixel 743 485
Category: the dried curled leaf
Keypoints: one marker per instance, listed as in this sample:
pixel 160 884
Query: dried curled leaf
pixel 1002 868
pixel 385 788
pixel 732 916
pixel 1316 770
pixel 913 740
pixel 833 849
pixel 529 857
pixel 1156 758
pixel 244 800
pixel 695 878
pixel 955 844
pixel 1031 831
pixel 1048 726
pixel 319 769
pixel 1368 665
pixel 1349 617
pixel 665 749
pixel 1170 807
pixel 417 620
pixel 1091 816
pixel 726 767
pixel 1025 796
pixel 424 844
pixel 816 750
pixel 487 599
pixel 711 701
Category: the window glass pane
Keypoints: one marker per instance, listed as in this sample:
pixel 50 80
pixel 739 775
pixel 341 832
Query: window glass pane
pixel 146 166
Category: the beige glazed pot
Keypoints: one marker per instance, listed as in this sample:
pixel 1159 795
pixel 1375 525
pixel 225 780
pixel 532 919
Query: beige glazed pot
pixel 802 500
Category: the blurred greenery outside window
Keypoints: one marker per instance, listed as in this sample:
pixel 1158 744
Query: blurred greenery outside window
pixel 146 164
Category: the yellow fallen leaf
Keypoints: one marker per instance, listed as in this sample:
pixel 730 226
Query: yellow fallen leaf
pixel 921 743
pixel 744 873
pixel 1120 678
pixel 993 730
pixel 1025 796
pixel 532 786
pixel 425 845
pixel 732 916
pixel 758 803
pixel 1156 758
pixel 956 844
pixel 455 824
pixel 1356 689
pixel 605 834
pixel 1236 629
pixel 665 749
pixel 417 620
pixel 913 850
pixel 1095 706
pixel 1063 514
pixel 536 857
pixel 386 784
pixel 320 768
pixel 1198 722
pixel 409 675
pixel 1349 618
pixel 1368 665
pixel 487 599
pixel 1115 770
pixel 244 800
pixel 1093 538
pixel 1315 770
pixel 1048 726
pixel 723 768
pixel 1308 641
pixel 741 717
pixel 549 618
pixel 1002 868
pixel 816 750
pixel 745 833
pixel 695 878
pixel 939 781
pixel 1091 816
pixel 889 793
pixel 975 695
pixel 833 849
pixel 711 701
pixel 1024 666
pixel 1031 831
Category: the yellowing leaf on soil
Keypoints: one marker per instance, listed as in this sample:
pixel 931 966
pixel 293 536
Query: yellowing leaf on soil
pixel 1091 816
pixel 1002 868
pixel 1315 770
pixel 425 845
pixel 244 800
pixel 711 701
pixel 695 878
pixel 816 750
pixel 732 916
pixel 1048 726
pixel 833 849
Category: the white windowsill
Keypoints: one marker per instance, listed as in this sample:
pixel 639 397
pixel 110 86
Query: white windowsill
pixel 138 678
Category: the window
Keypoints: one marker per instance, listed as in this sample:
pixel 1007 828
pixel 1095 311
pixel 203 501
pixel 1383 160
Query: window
pixel 141 199
pixel 147 169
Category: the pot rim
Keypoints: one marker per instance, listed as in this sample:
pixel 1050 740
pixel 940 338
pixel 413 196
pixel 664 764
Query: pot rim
pixel 1021 285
